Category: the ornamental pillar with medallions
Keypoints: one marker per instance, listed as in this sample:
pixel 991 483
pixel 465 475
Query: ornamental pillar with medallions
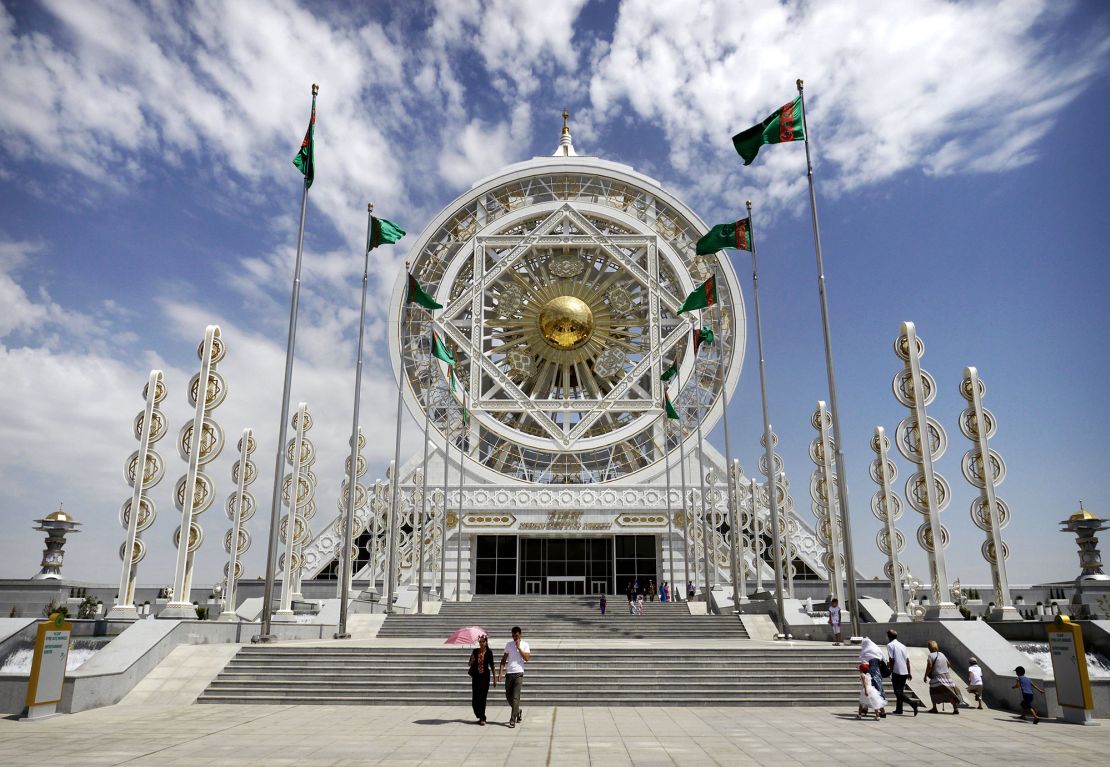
pixel 297 490
pixel 989 512
pixel 823 492
pixel 887 508
pixel 199 443
pixel 922 440
pixel 240 508
pixel 150 426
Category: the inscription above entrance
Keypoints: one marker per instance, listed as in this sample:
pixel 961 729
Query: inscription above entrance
pixel 565 520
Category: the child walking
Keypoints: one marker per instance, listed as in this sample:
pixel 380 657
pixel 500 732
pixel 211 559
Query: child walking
pixel 869 696
pixel 1027 686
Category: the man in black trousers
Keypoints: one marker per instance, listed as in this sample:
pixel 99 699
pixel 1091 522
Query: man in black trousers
pixel 900 673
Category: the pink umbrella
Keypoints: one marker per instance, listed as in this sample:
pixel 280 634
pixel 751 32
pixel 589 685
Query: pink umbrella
pixel 467 635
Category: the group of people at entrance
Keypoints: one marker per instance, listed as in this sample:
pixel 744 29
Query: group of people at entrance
pixel 511 671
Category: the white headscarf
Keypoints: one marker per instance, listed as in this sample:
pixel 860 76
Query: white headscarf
pixel 869 650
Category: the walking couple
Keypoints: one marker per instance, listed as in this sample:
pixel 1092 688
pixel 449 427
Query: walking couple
pixel 511 670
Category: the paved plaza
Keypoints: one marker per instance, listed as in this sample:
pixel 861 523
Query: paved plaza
pixel 353 735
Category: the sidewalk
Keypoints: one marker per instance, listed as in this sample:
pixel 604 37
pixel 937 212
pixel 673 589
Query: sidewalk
pixel 307 736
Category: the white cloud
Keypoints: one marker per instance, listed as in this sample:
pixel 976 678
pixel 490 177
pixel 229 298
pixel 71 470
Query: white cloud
pixel 943 87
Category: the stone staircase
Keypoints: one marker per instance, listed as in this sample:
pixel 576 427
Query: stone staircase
pixel 556 617
pixel 582 676
pixel 671 665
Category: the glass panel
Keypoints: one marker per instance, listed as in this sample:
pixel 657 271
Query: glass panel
pixel 556 549
pixel 626 546
pixel 487 546
pixel 576 549
pixel 485 584
pixel 506 546
pixel 506 584
pixel 645 546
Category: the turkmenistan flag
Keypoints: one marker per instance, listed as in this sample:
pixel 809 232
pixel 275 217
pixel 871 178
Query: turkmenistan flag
pixel 701 298
pixel 737 235
pixel 306 159
pixel 671 412
pixel 440 350
pixel 416 295
pixel 786 124
pixel 451 377
pixel 383 232
pixel 670 372
pixel 702 335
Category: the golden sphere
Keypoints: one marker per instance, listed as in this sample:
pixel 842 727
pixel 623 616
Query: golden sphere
pixel 566 322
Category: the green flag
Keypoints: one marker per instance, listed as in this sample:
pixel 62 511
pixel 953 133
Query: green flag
pixel 785 124
pixel 671 412
pixel 440 350
pixel 701 298
pixel 416 295
pixel 383 232
pixel 451 378
pixel 670 372
pixel 306 157
pixel 735 235
pixel 703 335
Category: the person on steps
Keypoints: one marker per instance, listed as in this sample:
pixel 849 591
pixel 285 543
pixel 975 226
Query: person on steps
pixel 834 620
pixel 975 681
pixel 640 605
pixel 870 654
pixel 869 697
pixel 601 604
pixel 481 676
pixel 517 653
pixel 651 591
pixel 900 673
pixel 941 687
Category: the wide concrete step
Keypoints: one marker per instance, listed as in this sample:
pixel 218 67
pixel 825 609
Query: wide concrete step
pixel 296 699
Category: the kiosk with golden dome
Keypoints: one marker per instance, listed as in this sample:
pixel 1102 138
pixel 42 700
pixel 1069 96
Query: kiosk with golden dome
pixel 560 280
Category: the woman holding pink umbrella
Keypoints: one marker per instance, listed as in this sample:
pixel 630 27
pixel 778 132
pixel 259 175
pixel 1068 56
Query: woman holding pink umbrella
pixel 481 677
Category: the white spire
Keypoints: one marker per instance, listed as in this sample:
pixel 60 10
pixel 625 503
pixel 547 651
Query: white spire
pixel 565 148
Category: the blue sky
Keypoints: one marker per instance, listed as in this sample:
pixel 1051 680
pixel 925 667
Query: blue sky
pixel 148 192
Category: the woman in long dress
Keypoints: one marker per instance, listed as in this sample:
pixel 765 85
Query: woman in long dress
pixel 481 676
pixel 870 654
pixel 941 687
pixel 869 697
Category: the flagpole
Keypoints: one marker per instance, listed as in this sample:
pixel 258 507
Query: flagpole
pixel 701 485
pixel 728 481
pixel 670 511
pixel 685 517
pixel 423 495
pixel 391 551
pixel 841 471
pixel 352 470
pixel 741 549
pixel 458 533
pixel 264 634
pixel 768 445
pixel 443 521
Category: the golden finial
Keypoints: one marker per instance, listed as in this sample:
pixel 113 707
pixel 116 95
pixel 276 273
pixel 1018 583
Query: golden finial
pixel 799 83
pixel 749 204
pixel 566 116
pixel 315 89
pixel 369 207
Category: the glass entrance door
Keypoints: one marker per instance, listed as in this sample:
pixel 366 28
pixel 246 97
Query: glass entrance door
pixel 566 585
pixel 566 565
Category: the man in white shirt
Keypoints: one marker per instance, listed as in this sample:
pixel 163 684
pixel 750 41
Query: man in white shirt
pixel 517 653
pixel 900 672
pixel 975 681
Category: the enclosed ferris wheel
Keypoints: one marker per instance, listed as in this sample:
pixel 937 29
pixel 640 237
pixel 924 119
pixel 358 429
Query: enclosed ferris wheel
pixel 560 279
